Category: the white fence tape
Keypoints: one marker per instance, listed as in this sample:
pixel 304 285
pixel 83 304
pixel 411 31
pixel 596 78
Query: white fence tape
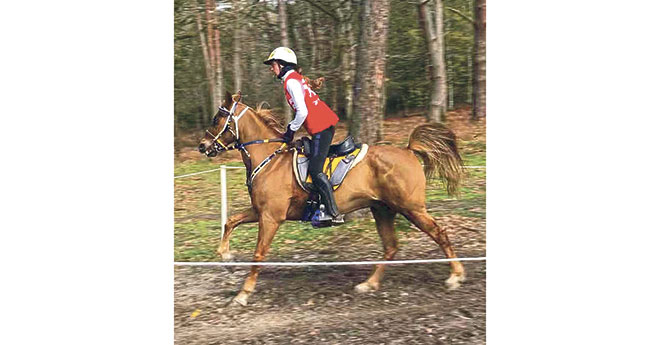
pixel 336 263
pixel 197 173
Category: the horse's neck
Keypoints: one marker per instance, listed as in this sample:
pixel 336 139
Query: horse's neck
pixel 251 128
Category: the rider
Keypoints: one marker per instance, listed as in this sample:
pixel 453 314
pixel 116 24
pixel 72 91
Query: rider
pixel 312 113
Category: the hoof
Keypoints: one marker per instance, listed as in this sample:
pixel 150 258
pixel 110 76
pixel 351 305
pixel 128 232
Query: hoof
pixel 454 281
pixel 365 287
pixel 237 302
pixel 240 299
pixel 233 304
pixel 226 256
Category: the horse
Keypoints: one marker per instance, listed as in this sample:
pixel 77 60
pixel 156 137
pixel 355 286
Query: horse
pixel 389 180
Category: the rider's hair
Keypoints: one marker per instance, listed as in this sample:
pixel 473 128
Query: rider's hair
pixel 314 84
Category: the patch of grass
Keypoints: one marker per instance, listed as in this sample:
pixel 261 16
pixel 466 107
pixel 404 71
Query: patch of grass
pixel 475 159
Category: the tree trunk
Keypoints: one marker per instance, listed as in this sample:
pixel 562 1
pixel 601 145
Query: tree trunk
pixel 470 74
pixel 284 37
pixel 237 58
pixel 370 81
pixel 209 31
pixel 440 78
pixel 360 66
pixel 238 25
pixel 281 8
pixel 214 53
pixel 436 46
pixel 205 51
pixel 210 38
pixel 479 70
pixel 348 57
pixel 451 75
pixel 451 95
pixel 219 76
pixel 311 31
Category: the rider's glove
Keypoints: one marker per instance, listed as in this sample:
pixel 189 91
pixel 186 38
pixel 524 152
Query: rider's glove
pixel 288 135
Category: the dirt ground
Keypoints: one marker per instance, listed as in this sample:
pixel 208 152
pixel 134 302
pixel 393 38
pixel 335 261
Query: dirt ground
pixel 317 304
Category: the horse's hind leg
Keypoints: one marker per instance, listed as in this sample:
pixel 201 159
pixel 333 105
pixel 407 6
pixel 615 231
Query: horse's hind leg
pixel 246 216
pixel 385 223
pixel 425 222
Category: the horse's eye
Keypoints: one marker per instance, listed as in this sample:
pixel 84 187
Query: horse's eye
pixel 215 120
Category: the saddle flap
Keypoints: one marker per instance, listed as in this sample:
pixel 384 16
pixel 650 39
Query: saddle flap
pixel 341 170
pixel 302 166
pixel 336 168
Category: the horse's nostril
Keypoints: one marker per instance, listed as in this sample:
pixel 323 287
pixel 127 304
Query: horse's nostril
pixel 202 148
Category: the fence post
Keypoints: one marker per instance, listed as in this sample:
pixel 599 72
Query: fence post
pixel 223 193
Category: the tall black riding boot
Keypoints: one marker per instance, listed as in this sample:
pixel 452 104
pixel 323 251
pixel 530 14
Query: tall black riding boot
pixel 327 197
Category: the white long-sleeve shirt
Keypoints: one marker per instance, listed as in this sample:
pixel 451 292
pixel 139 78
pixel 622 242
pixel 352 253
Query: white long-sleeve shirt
pixel 295 89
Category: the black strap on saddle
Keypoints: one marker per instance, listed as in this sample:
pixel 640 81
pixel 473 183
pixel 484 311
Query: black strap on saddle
pixel 346 146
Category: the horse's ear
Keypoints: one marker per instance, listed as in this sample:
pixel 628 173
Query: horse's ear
pixel 228 100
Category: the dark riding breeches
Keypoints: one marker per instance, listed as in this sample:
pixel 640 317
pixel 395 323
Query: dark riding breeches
pixel 320 145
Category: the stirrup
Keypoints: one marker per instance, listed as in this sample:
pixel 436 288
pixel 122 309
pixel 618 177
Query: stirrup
pixel 326 219
pixel 339 219
pixel 325 216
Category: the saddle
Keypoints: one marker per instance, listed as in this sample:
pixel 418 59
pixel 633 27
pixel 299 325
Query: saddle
pixel 346 146
pixel 342 157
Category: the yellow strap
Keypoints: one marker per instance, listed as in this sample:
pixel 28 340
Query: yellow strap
pixel 221 144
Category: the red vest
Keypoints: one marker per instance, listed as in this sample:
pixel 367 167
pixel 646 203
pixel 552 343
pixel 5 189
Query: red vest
pixel 319 115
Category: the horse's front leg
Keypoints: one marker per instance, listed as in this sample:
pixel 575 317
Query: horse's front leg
pixel 246 216
pixel 268 225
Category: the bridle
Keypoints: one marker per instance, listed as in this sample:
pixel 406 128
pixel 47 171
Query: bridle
pixel 219 147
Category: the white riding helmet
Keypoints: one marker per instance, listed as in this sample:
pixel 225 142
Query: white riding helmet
pixel 282 53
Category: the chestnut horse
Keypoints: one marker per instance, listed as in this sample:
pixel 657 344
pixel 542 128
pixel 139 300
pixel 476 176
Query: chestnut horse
pixel 389 180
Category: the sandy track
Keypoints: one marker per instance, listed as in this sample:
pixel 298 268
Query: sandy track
pixel 317 304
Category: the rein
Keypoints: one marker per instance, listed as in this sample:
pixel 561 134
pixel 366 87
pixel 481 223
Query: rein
pixel 219 146
pixel 263 163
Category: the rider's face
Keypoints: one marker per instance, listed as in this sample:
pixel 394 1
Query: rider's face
pixel 275 68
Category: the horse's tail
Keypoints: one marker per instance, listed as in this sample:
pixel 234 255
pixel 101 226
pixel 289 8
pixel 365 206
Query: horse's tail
pixel 436 145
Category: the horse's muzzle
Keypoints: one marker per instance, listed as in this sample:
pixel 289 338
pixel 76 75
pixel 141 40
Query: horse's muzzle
pixel 209 152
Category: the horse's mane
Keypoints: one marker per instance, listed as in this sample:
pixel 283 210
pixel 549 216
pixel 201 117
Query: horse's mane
pixel 269 118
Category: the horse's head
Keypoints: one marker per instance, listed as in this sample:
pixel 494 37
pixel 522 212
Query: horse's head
pixel 224 130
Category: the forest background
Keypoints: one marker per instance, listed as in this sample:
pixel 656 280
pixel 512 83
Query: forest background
pixel 379 58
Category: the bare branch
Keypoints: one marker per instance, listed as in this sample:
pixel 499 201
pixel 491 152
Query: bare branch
pixel 461 15
pixel 313 3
